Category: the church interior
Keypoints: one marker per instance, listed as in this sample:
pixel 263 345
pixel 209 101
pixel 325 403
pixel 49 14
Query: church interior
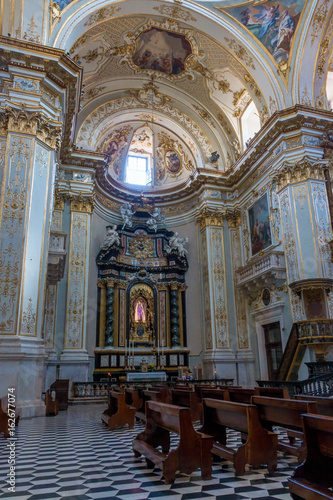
pixel 166 213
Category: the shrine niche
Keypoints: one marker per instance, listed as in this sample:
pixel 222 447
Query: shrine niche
pixel 141 315
pixel 141 294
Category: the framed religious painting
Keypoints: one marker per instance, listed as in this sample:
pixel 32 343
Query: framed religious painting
pixel 172 161
pixel 260 226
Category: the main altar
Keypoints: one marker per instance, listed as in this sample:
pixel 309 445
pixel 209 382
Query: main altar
pixel 141 296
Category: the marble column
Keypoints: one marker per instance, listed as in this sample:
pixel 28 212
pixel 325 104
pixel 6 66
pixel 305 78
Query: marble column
pixel 33 115
pixel 218 353
pixel 74 359
pixel 109 310
pixel 174 315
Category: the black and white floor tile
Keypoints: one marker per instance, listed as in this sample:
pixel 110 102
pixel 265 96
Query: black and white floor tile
pixel 75 456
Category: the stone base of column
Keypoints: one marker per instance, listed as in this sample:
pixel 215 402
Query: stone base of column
pixel 246 368
pixel 227 364
pixel 22 362
pixel 74 365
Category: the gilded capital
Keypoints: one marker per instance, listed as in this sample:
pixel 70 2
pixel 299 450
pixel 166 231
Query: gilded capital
pixel 233 218
pixel 101 283
pixel 32 123
pixel 59 200
pixel 299 172
pixel 110 282
pixel 82 203
pixel 208 218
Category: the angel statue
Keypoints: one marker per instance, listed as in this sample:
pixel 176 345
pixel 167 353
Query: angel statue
pixel 127 214
pixel 156 217
pixel 177 245
pixel 112 237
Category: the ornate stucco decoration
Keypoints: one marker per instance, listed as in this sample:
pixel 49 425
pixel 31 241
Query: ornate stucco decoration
pixel 82 203
pixel 149 96
pixel 102 14
pixel 240 100
pixel 261 271
pixel 30 122
pixel 168 149
pixel 208 218
pixel 302 171
pixel 174 12
pixel 233 218
pixel 135 42
pixel 141 247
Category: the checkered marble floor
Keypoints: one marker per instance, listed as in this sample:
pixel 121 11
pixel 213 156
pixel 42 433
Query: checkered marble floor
pixel 75 456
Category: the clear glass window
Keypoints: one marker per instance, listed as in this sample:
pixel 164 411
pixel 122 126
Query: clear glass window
pixel 137 170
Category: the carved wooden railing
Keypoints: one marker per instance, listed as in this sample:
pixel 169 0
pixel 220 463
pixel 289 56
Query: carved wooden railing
pixel 303 334
pixel 320 385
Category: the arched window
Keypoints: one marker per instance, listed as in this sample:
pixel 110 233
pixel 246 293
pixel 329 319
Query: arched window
pixel 139 163
pixel 250 123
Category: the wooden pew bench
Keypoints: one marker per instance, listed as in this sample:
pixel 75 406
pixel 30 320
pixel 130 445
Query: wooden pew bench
pixel 118 413
pixel 132 398
pixel 273 392
pixel 188 399
pixel 312 479
pixel 51 405
pixel 285 413
pixel 192 452
pixel 324 405
pixel 239 395
pixel 6 420
pixel 260 445
pixel 150 395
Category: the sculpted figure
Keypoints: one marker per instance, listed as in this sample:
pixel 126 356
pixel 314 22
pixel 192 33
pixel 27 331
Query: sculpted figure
pixel 112 237
pixel 177 244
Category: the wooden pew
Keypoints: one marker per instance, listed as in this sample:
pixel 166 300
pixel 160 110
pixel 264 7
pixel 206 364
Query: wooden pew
pixel 188 399
pixel 132 398
pixel 260 445
pixel 324 405
pixel 312 479
pixel 6 420
pixel 51 406
pixel 285 413
pixel 239 395
pixel 192 452
pixel 273 392
pixel 149 395
pixel 118 412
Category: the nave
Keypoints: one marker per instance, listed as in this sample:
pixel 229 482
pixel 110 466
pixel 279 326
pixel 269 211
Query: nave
pixel 75 456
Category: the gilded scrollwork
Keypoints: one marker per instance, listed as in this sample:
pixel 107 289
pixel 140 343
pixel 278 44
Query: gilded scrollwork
pixel 319 19
pixel 31 34
pixel 298 172
pixel 240 304
pixel 206 291
pixel 28 325
pixel 81 203
pixel 289 242
pixel 240 52
pixel 50 315
pixel 102 14
pixel 218 283
pixel 175 12
pixel 207 218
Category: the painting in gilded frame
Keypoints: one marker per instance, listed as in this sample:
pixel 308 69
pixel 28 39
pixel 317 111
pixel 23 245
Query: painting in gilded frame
pixel 272 22
pixel 162 51
pixel 260 227
pixel 172 161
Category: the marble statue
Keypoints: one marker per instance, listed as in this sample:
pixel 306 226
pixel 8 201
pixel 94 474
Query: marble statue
pixel 112 237
pixel 177 245
pixel 127 214
pixel 156 217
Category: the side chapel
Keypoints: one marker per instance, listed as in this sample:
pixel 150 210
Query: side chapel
pixel 166 191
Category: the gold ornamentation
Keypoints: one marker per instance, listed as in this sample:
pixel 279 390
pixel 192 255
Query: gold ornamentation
pixel 166 144
pixel 93 92
pixel 252 84
pixel 174 12
pixel 300 195
pixel 80 41
pixel 224 124
pixel 32 123
pixel 29 320
pixel 324 52
pixel 102 14
pixel 59 200
pixel 217 276
pixel 301 171
pixel 50 315
pixel 55 12
pixel 206 292
pixel 141 247
pixel 42 160
pixel 204 115
pixel 242 332
pixel 233 218
pixel 240 52
pixel 272 105
pixel 83 204
pixel 208 218
pixel 150 96
pixel 283 68
pixel 31 35
pixel 305 99
pixel 319 19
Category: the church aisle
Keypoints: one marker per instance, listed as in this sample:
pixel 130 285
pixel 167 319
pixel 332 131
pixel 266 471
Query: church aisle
pixel 75 456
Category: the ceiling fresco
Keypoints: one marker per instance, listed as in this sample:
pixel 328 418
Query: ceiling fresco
pixel 195 67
